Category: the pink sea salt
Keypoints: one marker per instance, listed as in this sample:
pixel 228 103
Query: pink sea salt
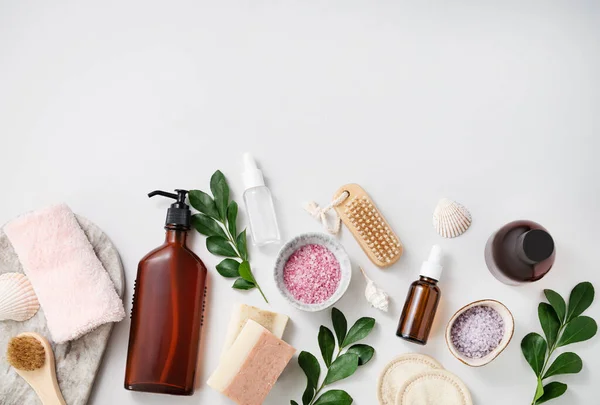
pixel 312 274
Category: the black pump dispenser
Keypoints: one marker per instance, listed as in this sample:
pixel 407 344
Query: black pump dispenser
pixel 179 214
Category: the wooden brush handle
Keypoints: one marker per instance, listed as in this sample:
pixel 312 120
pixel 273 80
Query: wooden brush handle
pixel 49 393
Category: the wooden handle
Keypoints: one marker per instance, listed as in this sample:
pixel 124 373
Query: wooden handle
pixel 49 393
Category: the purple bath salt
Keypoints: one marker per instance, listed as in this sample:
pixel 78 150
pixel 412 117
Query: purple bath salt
pixel 477 331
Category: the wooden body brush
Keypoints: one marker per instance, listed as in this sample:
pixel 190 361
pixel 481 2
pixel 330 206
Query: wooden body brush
pixel 33 359
pixel 374 235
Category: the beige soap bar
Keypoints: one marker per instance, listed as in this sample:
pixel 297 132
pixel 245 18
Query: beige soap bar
pixel 272 321
pixel 252 365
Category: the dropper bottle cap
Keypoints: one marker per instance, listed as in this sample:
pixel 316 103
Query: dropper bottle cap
pixel 432 268
pixel 252 176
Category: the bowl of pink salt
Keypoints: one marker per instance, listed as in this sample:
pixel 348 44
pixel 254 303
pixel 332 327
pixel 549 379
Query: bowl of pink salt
pixel 478 332
pixel 312 271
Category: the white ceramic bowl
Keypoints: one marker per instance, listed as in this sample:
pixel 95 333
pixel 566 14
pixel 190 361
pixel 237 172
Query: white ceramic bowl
pixel 318 239
pixel 509 329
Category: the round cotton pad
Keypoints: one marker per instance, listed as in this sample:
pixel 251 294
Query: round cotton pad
pixel 439 387
pixel 398 371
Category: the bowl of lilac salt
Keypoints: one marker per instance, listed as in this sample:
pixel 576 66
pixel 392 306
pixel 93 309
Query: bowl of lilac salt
pixel 478 332
pixel 312 271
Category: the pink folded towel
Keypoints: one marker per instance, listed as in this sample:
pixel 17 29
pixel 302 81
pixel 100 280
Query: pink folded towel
pixel 74 290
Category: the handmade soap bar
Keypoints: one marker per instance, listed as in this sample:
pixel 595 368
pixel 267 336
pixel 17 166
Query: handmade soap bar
pixel 251 366
pixel 272 321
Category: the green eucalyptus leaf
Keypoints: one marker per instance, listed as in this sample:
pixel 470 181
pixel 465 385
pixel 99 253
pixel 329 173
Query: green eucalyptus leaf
pixel 340 325
pixel 207 226
pixel 534 348
pixel 343 367
pixel 229 268
pixel 326 344
pixel 203 203
pixel 550 322
pixel 566 363
pixel 364 352
pixel 241 284
pixel 358 331
pixel 246 272
pixel 220 246
pixel 553 390
pixel 581 298
pixel 310 365
pixel 241 245
pixel 232 212
pixel 578 330
pixel 220 190
pixel 539 391
pixel 557 302
pixel 334 397
pixel 293 403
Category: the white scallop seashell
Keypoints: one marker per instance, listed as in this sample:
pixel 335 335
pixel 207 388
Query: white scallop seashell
pixel 18 301
pixel 375 295
pixel 451 219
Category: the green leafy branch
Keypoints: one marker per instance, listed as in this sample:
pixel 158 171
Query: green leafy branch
pixel 342 365
pixel 217 219
pixel 562 326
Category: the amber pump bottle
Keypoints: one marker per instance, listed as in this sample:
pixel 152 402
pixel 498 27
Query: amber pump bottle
pixel 167 312
pixel 422 301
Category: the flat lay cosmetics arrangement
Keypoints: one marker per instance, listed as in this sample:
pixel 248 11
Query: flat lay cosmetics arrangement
pixel 61 285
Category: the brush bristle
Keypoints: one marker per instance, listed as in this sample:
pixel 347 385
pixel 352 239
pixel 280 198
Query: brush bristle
pixel 371 227
pixel 25 353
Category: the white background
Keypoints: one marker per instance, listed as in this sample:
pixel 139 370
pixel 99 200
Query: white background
pixel 494 105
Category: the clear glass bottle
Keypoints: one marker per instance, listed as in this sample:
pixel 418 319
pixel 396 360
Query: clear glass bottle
pixel 259 205
pixel 422 301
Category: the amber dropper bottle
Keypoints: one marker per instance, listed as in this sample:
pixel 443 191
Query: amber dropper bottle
pixel 422 301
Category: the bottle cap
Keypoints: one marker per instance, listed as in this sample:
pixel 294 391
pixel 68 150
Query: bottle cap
pixel 432 268
pixel 251 176
pixel 179 213
pixel 535 246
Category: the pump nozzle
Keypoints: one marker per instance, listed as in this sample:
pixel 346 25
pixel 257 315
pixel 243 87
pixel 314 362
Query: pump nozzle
pixel 179 213
pixel 163 193
pixel 180 196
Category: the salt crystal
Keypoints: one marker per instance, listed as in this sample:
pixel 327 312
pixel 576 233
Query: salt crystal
pixel 477 331
pixel 312 274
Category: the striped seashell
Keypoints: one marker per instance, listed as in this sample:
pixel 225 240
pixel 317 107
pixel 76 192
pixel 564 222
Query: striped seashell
pixel 18 301
pixel 450 218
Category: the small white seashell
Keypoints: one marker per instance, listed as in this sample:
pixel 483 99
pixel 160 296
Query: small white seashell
pixel 375 295
pixel 450 218
pixel 18 301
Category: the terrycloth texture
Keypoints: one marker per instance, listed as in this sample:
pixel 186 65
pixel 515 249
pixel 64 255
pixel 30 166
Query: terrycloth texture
pixel 74 290
pixel 77 361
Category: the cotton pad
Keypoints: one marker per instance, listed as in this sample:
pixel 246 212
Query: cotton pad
pixel 439 387
pixel 400 370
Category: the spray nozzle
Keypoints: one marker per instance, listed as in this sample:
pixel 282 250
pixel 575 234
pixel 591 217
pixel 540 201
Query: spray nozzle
pixel 251 175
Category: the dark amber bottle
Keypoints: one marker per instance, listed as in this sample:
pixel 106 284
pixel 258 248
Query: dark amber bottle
pixel 167 313
pixel 422 301
pixel 520 252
